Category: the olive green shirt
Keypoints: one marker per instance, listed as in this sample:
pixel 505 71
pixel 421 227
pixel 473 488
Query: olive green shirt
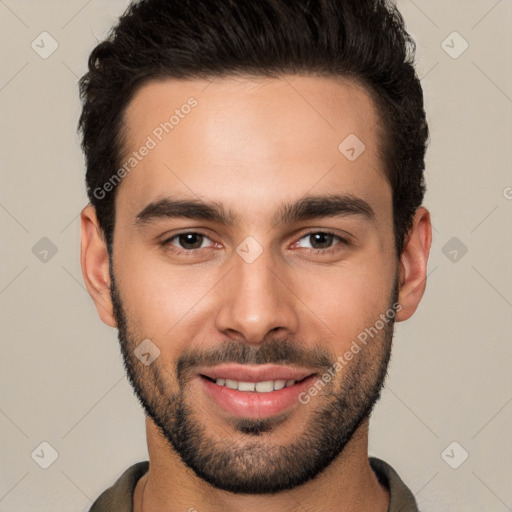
pixel 119 497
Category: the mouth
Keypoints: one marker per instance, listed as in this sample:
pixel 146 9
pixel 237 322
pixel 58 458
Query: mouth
pixel 254 391
pixel 265 386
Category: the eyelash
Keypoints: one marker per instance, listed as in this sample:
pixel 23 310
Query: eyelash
pixel 330 250
pixel 168 246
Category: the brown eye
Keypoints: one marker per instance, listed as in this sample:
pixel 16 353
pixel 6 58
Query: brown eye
pixel 320 240
pixel 187 241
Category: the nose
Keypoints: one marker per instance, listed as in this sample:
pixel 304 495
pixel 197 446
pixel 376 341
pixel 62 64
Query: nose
pixel 256 300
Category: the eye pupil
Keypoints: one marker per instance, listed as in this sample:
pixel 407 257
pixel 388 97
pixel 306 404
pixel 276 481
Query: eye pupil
pixel 191 240
pixel 322 239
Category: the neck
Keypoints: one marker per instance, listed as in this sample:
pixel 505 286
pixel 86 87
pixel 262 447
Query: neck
pixel 347 484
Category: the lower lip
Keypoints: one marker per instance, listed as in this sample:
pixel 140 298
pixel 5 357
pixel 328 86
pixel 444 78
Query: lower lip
pixel 251 404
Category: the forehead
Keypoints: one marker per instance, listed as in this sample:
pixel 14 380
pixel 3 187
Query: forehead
pixel 252 142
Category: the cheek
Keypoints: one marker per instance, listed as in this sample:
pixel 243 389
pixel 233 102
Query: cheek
pixel 344 301
pixel 161 299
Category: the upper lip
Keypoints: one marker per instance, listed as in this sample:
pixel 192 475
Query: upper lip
pixel 254 373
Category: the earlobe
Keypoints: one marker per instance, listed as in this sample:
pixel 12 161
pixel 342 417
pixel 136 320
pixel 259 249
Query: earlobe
pixel 413 264
pixel 95 265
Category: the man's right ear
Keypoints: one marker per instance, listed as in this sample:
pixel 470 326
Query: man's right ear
pixel 95 265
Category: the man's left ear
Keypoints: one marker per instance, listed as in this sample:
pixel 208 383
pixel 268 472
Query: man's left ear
pixel 413 264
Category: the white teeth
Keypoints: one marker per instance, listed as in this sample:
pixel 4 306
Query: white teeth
pixel 280 384
pixel 232 384
pixel 263 387
pixel 260 387
pixel 246 386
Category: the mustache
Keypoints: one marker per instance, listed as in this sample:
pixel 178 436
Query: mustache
pixel 272 351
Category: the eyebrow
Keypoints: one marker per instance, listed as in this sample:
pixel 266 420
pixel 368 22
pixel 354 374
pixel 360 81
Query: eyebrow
pixel 307 208
pixel 332 205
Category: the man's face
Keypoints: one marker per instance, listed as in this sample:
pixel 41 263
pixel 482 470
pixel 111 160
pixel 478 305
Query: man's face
pixel 257 293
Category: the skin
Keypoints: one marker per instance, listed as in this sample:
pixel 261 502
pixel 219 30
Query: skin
pixel 253 144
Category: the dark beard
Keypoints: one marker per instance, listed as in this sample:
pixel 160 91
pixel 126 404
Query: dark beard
pixel 255 466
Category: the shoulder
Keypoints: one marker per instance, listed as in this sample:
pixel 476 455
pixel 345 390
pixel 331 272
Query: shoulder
pixel 119 497
pixel 401 497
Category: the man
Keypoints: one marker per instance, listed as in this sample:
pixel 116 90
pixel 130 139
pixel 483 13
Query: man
pixel 255 172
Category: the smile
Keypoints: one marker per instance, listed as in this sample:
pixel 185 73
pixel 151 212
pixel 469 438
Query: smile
pixel 265 386
pixel 254 391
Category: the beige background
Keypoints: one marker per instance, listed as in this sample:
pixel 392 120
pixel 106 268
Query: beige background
pixel 450 378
